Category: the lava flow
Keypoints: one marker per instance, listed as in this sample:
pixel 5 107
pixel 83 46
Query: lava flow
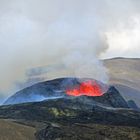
pixel 88 88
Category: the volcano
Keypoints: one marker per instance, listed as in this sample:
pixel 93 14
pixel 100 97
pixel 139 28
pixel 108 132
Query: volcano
pixel 90 91
pixel 59 88
pixel 72 106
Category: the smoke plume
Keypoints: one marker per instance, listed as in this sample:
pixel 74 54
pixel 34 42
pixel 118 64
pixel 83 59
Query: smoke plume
pixel 49 39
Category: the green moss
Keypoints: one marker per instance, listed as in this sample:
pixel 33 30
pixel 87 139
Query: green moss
pixel 59 113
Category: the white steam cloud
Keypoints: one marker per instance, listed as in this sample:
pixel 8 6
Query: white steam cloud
pixel 49 39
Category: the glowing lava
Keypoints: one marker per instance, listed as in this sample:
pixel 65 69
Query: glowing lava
pixel 88 88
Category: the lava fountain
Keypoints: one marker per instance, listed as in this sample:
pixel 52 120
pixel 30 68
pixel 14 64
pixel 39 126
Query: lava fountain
pixel 87 88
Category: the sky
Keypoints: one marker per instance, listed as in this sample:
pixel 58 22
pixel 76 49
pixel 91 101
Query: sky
pixel 43 39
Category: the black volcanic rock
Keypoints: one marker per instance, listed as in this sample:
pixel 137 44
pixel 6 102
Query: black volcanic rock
pixel 110 108
pixel 132 104
pixel 89 131
pixel 112 98
pixel 71 110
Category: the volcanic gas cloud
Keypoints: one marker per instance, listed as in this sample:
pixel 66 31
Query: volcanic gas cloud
pixel 88 88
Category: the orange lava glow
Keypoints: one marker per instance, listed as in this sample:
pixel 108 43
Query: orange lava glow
pixel 88 88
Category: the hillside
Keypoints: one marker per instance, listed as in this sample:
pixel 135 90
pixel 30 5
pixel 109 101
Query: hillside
pixel 10 130
pixel 124 73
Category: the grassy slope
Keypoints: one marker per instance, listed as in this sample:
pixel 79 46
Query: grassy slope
pixel 13 131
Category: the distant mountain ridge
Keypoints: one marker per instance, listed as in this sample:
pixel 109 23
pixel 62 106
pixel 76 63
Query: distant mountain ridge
pixel 124 74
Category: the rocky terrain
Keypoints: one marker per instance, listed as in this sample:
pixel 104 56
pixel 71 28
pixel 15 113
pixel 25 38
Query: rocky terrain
pixel 77 118
pixel 88 131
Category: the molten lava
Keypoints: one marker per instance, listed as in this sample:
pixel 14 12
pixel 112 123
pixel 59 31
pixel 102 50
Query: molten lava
pixel 88 88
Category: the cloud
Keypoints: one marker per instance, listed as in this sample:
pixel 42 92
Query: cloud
pixel 124 40
pixel 68 36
